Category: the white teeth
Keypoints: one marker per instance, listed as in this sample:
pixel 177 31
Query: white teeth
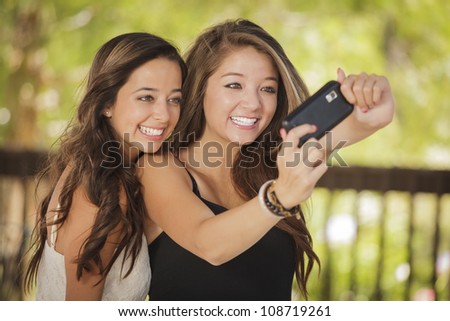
pixel 244 121
pixel 151 131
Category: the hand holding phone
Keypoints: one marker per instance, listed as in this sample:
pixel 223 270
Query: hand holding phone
pixel 325 109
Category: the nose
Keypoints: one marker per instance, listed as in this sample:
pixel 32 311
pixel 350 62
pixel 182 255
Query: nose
pixel 161 111
pixel 251 99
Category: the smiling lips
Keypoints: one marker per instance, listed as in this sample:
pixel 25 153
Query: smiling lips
pixel 244 121
pixel 151 132
pixel 238 120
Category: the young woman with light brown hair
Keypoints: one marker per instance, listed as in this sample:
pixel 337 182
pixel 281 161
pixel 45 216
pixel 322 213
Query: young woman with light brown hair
pixel 225 220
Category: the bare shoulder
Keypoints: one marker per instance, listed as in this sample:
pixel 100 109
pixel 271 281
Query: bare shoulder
pixel 158 160
pixel 80 224
pixel 83 212
pixel 162 169
pixel 83 215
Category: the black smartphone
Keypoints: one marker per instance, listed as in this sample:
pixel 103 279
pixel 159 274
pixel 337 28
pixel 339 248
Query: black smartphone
pixel 325 109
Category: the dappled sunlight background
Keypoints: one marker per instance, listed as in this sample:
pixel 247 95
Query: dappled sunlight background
pixel 46 48
pixel 405 40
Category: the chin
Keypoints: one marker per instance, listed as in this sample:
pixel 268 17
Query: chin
pixel 153 149
pixel 240 140
pixel 149 147
pixel 246 142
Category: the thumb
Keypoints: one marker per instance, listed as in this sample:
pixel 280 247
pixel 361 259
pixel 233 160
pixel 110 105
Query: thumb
pixel 340 75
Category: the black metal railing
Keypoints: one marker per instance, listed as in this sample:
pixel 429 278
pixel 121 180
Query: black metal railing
pixel 418 249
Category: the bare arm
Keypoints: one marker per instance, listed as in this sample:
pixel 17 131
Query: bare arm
pixel 173 206
pixel 188 221
pixel 79 225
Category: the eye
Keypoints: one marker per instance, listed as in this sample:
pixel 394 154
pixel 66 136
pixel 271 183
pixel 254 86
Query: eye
pixel 269 89
pixel 234 85
pixel 146 98
pixel 175 101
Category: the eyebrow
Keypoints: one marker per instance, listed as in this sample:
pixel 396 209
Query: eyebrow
pixel 241 75
pixel 154 89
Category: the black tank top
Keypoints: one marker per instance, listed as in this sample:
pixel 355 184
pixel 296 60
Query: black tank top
pixel 264 272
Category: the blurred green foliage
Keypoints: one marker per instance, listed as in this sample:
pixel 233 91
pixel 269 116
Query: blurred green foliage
pixel 47 46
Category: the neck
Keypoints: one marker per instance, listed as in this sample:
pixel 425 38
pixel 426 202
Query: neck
pixel 212 154
pixel 211 165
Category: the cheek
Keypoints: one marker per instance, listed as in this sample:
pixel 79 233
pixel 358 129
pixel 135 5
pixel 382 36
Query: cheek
pixel 270 111
pixel 174 117
pixel 208 114
pixel 220 103
pixel 216 118
pixel 118 126
pixel 129 122
pixel 272 114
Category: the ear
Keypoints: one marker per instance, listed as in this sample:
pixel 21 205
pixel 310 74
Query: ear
pixel 107 112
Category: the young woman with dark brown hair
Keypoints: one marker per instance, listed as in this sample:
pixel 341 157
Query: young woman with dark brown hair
pixel 88 242
pixel 225 217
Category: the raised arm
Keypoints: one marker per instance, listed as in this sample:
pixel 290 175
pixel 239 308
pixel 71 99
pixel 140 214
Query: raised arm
pixel 188 221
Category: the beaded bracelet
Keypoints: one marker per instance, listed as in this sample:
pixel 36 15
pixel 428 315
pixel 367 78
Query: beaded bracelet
pixel 269 200
pixel 271 197
pixel 262 194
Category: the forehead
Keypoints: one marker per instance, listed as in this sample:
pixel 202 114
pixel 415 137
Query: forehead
pixel 246 59
pixel 158 69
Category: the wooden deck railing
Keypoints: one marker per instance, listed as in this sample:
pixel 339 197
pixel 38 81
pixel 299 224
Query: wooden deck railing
pixel 434 251
pixel 423 252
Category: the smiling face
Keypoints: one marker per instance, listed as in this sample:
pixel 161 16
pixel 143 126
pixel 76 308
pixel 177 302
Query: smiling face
pixel 241 97
pixel 147 107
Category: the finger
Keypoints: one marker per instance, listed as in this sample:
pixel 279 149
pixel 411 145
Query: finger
pixel 347 89
pixel 358 86
pixel 283 133
pixel 313 153
pixel 292 138
pixel 381 84
pixel 368 90
pixel 340 75
pixel 318 172
pixel 296 133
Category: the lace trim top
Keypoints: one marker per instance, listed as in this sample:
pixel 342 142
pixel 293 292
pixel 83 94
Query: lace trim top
pixel 52 275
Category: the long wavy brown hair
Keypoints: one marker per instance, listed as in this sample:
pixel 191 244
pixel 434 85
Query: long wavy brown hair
pixel 256 162
pixel 89 147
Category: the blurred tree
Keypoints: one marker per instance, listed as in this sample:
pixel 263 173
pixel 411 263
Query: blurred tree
pixel 46 47
pixel 24 39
